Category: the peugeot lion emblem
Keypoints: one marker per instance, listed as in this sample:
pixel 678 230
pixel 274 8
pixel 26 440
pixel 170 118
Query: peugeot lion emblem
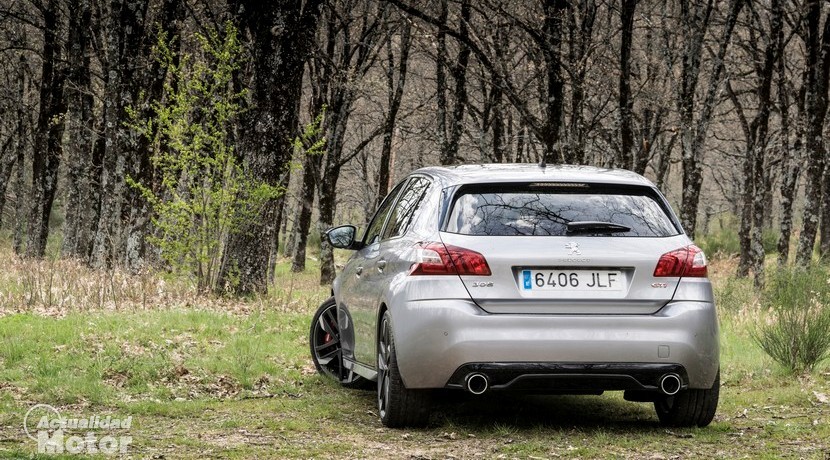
pixel 574 248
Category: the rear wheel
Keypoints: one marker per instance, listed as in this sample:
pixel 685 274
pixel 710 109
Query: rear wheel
pixel 398 406
pixel 326 350
pixel 689 407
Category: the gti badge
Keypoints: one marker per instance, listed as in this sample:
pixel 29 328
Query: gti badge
pixel 574 248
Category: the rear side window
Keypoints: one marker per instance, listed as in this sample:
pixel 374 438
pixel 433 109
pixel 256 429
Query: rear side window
pixel 534 211
pixel 373 232
pixel 407 207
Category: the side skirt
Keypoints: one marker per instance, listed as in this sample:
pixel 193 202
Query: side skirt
pixel 360 369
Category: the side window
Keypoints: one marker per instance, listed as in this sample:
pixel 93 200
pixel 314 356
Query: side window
pixel 373 232
pixel 407 208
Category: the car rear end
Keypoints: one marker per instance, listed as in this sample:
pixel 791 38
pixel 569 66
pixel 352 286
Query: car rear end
pixel 577 286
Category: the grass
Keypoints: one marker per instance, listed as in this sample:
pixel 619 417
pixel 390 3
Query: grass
pixel 722 240
pixel 795 330
pixel 205 377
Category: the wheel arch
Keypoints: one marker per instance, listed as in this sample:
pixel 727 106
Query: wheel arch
pixel 382 309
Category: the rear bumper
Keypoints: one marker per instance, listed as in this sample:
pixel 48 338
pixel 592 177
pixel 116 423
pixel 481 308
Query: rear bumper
pixel 569 377
pixel 435 339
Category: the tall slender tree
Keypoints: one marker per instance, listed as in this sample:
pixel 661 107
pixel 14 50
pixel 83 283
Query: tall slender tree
pixel 451 116
pixel 123 35
pixel 78 226
pixel 695 118
pixel 627 9
pixel 48 137
pixel 817 43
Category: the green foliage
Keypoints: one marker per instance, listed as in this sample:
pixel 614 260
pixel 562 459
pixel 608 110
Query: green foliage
pixel 795 329
pixel 203 194
pixel 722 239
pixel 312 141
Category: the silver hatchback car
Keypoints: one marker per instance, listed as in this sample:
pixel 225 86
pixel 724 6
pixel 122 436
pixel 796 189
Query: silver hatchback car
pixel 558 279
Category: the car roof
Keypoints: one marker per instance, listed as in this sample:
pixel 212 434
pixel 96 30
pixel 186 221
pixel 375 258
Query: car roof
pixel 531 172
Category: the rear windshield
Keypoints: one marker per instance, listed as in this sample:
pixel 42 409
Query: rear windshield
pixel 533 212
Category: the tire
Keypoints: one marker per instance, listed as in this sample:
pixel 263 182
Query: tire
pixel 326 349
pixel 398 406
pixel 689 408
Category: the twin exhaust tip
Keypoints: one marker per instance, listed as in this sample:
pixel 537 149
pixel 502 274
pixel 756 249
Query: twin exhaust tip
pixel 477 383
pixel 670 384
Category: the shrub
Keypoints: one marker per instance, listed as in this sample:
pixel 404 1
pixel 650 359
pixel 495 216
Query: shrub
pixel 794 329
pixel 203 193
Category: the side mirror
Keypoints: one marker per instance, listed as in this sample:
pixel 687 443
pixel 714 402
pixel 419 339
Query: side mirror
pixel 343 237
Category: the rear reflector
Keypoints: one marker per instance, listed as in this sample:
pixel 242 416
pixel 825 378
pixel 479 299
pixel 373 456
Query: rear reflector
pixel 689 261
pixel 441 259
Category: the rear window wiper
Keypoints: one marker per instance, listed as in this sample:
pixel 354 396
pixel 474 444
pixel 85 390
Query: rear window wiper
pixel 596 227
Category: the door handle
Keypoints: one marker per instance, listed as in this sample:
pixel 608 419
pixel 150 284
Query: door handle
pixel 358 271
pixel 381 265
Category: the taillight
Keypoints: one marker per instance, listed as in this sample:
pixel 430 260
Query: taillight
pixel 689 261
pixel 441 259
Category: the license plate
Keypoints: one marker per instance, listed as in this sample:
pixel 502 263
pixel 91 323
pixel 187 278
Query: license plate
pixel 572 280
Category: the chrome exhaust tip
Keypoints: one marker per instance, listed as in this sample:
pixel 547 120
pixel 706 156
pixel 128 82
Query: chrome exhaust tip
pixel 670 384
pixel 477 383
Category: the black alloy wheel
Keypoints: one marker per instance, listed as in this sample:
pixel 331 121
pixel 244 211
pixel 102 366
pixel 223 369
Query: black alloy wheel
pixel 398 406
pixel 326 351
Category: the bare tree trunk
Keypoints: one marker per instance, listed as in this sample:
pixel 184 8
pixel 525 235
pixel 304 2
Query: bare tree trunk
pixel 279 60
pixel 395 95
pixel 320 70
pixel 824 224
pixel 761 125
pixel 7 161
pixel 791 160
pixel 627 8
pixel 152 81
pixel 124 34
pixel 274 252
pixel 499 148
pixel 664 165
pixel 788 188
pixel 451 128
pixel 580 37
pixel 815 105
pixel 327 203
pixel 446 156
pixel 20 154
pixel 552 29
pixel 694 129
pixel 754 193
pixel 745 229
pixel 16 157
pixel 302 222
pixel 49 133
pixel 80 139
